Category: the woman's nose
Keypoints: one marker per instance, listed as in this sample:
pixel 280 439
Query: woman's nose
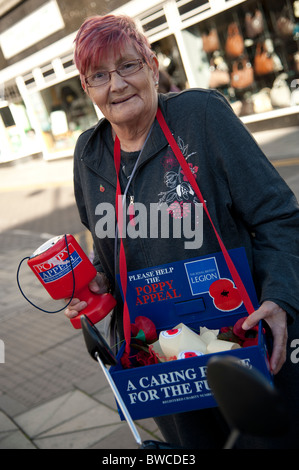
pixel 117 82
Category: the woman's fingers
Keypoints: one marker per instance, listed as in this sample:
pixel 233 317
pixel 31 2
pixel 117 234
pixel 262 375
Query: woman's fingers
pixel 74 308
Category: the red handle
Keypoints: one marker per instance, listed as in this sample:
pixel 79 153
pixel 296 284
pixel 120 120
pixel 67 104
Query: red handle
pixel 98 307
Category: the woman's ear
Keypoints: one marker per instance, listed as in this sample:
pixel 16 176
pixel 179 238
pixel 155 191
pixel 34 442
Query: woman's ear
pixel 86 90
pixel 84 85
pixel 155 68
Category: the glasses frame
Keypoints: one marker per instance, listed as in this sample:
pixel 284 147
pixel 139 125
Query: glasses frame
pixel 109 72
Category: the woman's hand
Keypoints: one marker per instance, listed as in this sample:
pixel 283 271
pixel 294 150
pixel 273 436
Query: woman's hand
pixel 99 285
pixel 276 318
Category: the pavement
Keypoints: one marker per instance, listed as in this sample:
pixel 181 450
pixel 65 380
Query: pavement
pixel 52 394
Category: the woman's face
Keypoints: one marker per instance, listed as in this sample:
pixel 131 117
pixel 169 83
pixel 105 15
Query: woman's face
pixel 126 101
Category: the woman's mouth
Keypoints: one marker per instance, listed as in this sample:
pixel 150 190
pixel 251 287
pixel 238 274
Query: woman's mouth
pixel 122 100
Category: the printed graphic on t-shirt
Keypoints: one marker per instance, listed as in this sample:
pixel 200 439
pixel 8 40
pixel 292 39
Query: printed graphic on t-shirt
pixel 179 195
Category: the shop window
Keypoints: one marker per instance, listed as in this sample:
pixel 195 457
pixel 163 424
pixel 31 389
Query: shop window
pixel 153 21
pixel 192 7
pixel 250 53
pixel 29 80
pixel 64 112
pixel 7 117
pixel 68 63
pixel 172 72
pixel 11 92
pixel 18 133
pixel 48 72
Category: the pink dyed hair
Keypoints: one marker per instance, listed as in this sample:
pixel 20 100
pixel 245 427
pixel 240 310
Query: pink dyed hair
pixel 100 36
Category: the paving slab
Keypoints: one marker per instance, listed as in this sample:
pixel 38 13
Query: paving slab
pixel 15 440
pixel 10 435
pixel 73 421
pixel 52 414
pixel 84 439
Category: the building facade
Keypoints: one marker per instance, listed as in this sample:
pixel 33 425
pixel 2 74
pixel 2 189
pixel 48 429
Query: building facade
pixel 247 49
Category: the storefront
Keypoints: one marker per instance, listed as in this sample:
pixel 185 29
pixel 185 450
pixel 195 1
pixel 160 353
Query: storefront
pixel 247 49
pixel 62 112
pixel 43 108
pixel 46 113
pixel 16 133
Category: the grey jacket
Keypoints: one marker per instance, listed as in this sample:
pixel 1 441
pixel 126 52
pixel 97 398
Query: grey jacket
pixel 250 204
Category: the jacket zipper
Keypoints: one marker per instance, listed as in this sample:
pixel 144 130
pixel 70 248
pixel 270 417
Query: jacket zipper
pixel 132 211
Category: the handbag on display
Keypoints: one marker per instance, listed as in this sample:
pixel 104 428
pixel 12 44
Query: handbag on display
pixel 263 61
pixel 211 41
pixel 234 45
pixel 237 107
pixel 254 24
pixel 247 107
pixel 269 47
pixel 278 67
pixel 285 26
pixel 295 97
pixel 242 75
pixel 262 101
pixel 219 78
pixel 280 93
pixel 219 72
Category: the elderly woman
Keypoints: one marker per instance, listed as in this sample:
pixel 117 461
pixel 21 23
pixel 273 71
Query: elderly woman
pixel 250 204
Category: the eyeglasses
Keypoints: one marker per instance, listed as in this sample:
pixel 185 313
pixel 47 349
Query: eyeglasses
pixel 123 70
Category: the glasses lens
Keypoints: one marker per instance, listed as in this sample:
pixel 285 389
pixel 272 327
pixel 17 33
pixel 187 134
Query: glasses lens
pixel 99 78
pixel 129 68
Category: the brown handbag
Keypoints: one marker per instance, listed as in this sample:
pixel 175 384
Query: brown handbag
pixel 220 75
pixel 234 45
pixel 242 75
pixel 247 107
pixel 263 61
pixel 211 41
pixel 254 24
pixel 285 26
